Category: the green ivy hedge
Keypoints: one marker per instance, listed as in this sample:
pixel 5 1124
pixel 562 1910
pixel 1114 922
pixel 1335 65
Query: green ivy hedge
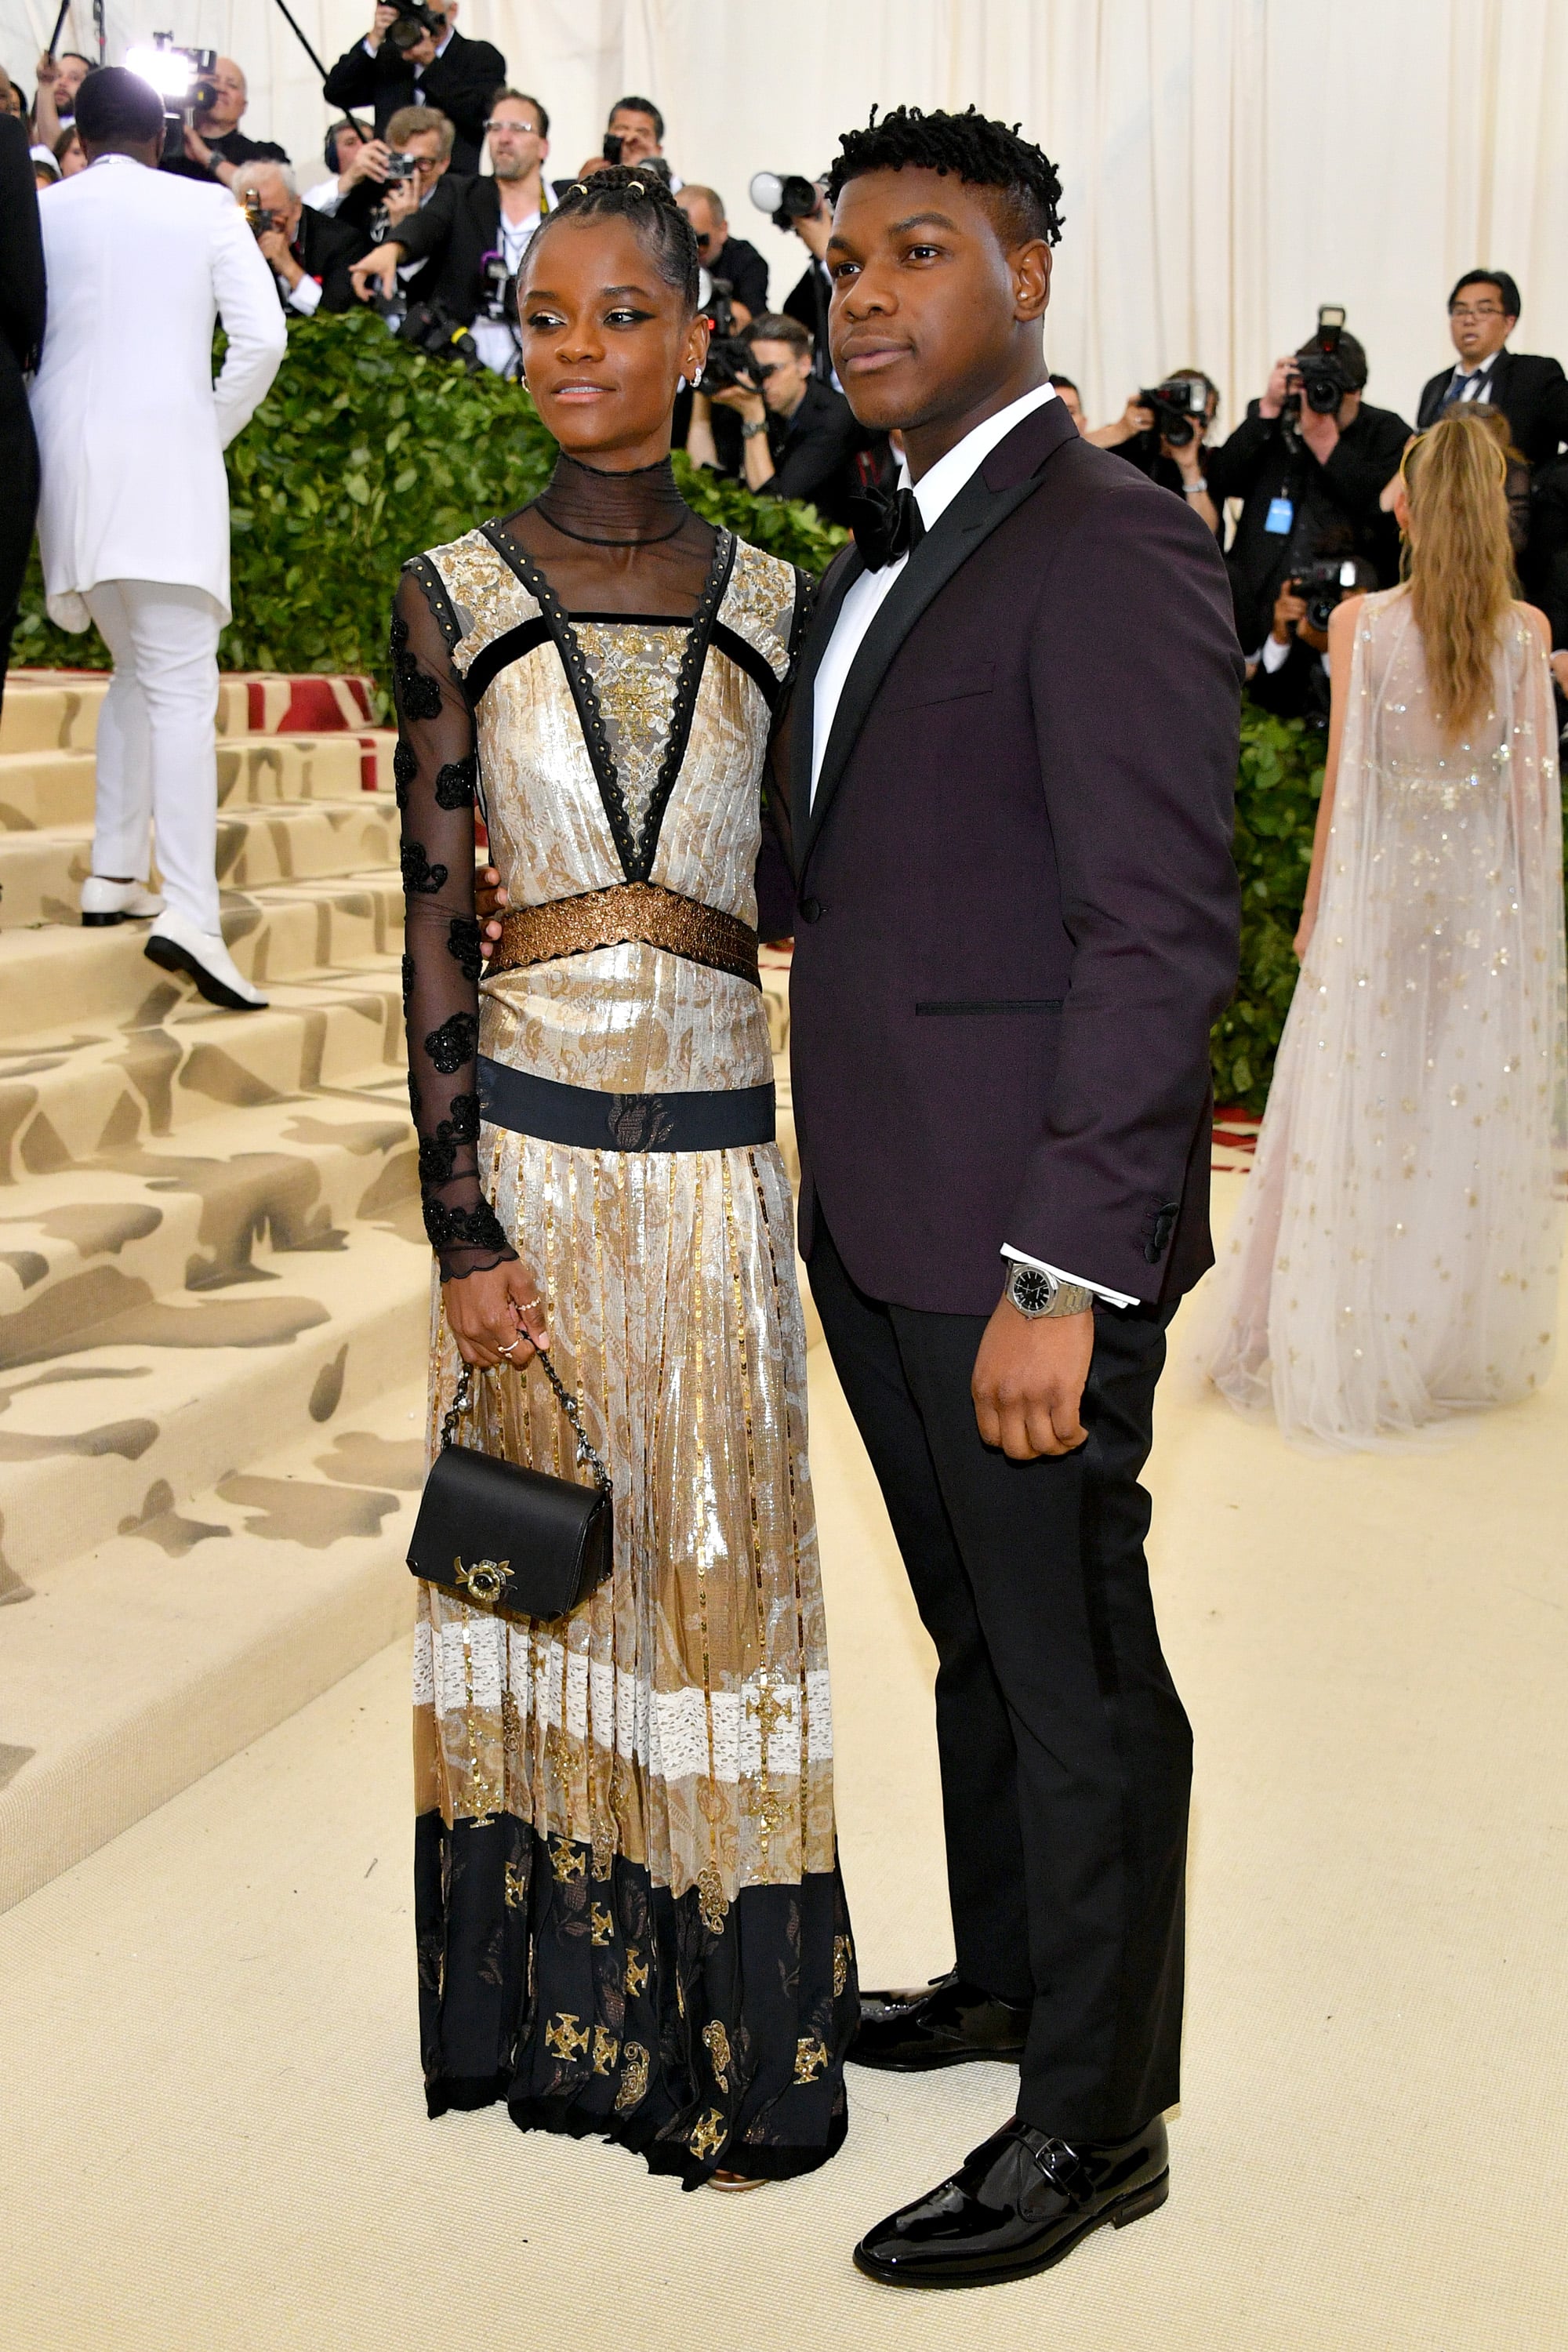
pixel 365 452
pixel 362 453
pixel 1277 787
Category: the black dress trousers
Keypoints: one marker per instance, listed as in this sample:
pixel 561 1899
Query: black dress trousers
pixel 1066 1753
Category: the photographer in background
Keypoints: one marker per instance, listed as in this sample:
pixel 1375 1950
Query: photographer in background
pixel 635 135
pixel 352 159
pixel 215 146
pixel 1531 391
pixel 1068 394
pixel 1310 460
pixel 1290 673
pixel 809 298
pixel 726 258
pixel 307 252
pixel 1161 431
pixel 798 437
pixel 54 105
pixel 471 237
pixel 412 56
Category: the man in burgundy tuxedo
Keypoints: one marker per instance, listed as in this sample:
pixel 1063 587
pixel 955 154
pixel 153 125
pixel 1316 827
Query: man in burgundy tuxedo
pixel 1013 751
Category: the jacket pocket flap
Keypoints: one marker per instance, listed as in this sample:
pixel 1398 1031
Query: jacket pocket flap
pixel 950 685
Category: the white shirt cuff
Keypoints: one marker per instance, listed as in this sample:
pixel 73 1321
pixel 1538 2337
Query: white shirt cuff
pixel 1081 1282
pixel 1275 655
pixel 304 296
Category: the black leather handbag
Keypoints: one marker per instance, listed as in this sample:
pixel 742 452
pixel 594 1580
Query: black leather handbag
pixel 512 1540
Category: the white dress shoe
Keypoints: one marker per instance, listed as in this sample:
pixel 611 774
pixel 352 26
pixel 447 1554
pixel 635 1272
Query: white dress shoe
pixel 118 902
pixel 176 945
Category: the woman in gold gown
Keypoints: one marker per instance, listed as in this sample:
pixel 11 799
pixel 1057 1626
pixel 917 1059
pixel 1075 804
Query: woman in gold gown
pixel 630 1916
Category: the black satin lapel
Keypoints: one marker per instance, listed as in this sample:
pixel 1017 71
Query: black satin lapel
pixel 842 574
pixel 967 524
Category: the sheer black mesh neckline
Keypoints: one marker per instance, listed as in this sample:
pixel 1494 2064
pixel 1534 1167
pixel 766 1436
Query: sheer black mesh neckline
pixel 640 509
pixel 635 851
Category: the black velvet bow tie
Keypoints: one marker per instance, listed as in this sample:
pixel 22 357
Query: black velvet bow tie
pixel 887 527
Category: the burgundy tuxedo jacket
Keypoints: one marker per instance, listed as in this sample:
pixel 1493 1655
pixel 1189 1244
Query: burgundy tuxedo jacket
pixel 1017 903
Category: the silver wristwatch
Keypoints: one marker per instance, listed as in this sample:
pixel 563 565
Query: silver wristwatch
pixel 752 426
pixel 1034 1293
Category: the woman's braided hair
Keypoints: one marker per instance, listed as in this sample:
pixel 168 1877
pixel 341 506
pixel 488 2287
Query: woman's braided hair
pixel 973 148
pixel 643 199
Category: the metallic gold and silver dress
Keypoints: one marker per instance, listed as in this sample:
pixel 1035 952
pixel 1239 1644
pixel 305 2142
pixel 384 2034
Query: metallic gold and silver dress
pixel 630 1916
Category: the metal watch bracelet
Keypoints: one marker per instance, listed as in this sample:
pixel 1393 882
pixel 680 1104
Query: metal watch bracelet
pixel 1036 1293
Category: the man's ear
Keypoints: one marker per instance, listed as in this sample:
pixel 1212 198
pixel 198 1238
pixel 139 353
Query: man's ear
pixel 1031 267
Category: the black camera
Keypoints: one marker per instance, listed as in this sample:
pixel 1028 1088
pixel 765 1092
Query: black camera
pixel 1180 407
pixel 1321 584
pixel 1325 377
pixel 729 360
pixel 785 196
pixel 257 219
pixel 428 326
pixel 499 299
pixel 185 81
pixel 414 21
pixel 401 167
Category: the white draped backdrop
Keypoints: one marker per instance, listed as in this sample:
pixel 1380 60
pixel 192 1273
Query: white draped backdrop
pixel 1228 164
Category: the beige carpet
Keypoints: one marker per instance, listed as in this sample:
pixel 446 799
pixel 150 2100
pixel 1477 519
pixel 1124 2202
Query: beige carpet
pixel 214 2136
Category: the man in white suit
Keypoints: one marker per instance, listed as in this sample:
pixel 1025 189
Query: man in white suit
pixel 134 515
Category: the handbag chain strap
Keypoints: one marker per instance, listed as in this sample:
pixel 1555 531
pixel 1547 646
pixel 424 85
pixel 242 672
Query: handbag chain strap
pixel 587 1456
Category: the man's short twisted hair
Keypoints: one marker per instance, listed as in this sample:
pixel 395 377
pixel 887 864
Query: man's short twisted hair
pixel 983 153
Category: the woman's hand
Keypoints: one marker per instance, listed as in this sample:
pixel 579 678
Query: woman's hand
pixel 491 903
pixel 496 1317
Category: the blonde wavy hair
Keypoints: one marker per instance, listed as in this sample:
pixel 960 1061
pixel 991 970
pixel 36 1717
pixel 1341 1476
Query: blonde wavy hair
pixel 1459 558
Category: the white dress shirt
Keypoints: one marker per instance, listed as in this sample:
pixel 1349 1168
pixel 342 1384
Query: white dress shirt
pixel 934 493
pixel 1473 383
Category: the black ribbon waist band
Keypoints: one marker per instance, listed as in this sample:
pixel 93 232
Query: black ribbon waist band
pixel 725 1120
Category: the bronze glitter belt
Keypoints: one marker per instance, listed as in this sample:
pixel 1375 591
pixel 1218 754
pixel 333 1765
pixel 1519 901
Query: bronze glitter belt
pixel 627 910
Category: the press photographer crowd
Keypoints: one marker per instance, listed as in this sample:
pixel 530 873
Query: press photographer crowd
pixel 434 174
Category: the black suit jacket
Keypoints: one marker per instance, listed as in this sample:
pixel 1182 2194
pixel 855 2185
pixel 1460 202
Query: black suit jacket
pixel 745 272
pixel 1018 910
pixel 451 234
pixel 461 82
pixel 1532 392
pixel 812 452
pixel 808 301
pixel 22 307
pixel 325 244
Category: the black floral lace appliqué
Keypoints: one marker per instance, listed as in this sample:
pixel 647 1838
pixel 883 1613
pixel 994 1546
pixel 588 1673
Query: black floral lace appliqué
pixel 437 769
pixel 455 784
pixel 463 945
pixel 453 1043
pixel 419 876
pixel 438 1152
pixel 477 1228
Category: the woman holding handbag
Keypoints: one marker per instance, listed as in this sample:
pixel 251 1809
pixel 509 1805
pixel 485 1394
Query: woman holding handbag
pixel 630 1916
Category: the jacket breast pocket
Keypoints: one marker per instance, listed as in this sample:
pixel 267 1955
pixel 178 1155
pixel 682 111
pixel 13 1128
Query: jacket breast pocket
pixel 983 1004
pixel 949 685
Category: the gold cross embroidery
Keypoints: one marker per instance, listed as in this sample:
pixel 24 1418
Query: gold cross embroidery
pixel 564 2038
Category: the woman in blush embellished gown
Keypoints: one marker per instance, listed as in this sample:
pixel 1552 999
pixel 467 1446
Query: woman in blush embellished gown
pixel 630 1916
pixel 1396 1256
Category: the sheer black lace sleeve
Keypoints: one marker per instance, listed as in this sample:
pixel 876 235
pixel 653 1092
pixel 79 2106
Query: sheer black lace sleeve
pixel 438 777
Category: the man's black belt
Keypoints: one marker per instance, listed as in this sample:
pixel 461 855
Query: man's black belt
pixel 725 1120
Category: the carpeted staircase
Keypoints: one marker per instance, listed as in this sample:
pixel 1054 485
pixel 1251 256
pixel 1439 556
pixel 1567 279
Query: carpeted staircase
pixel 215 1289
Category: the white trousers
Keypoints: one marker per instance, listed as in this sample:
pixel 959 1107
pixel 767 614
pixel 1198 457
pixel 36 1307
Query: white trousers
pixel 157 748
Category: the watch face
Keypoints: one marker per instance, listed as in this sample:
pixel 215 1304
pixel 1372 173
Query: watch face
pixel 1032 1290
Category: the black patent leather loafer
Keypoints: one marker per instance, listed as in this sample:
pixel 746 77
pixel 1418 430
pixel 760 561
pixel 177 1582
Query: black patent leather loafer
pixel 1020 2204
pixel 948 2024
